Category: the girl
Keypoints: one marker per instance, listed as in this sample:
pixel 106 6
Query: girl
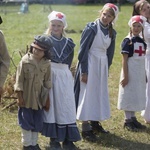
pixel 133 78
pixel 97 47
pixel 33 73
pixel 60 120
pixel 143 8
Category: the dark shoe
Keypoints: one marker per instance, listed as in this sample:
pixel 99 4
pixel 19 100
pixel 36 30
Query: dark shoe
pixel 137 124
pixel 89 136
pixel 130 126
pixel 69 145
pixel 36 147
pixel 54 144
pixel 97 127
pixel 27 148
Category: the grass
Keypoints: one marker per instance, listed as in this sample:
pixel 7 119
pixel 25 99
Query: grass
pixel 19 30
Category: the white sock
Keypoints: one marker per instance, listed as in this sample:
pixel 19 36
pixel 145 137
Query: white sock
pixel 26 137
pixel 34 138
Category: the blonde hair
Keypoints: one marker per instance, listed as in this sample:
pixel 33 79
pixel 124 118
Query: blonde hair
pixel 49 32
pixel 110 26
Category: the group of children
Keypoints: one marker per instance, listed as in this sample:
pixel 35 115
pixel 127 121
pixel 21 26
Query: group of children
pixel 46 67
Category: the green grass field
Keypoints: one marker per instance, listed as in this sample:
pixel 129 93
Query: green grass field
pixel 19 30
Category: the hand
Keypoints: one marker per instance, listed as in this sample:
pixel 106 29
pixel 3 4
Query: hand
pixel 20 102
pixel 47 104
pixel 124 82
pixel 84 77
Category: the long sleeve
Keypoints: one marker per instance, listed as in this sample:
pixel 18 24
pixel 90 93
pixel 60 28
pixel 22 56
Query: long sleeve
pixel 111 50
pixel 4 60
pixel 87 38
pixel 19 78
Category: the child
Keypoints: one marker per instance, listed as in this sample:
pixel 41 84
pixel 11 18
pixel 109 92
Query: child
pixel 33 73
pixel 97 47
pixel 142 7
pixel 132 85
pixel 146 112
pixel 4 61
pixel 60 120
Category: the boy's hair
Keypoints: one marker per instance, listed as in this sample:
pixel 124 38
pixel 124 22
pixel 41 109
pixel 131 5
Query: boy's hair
pixel 43 42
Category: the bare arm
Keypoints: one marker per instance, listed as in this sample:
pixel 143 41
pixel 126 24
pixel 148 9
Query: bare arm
pixel 125 79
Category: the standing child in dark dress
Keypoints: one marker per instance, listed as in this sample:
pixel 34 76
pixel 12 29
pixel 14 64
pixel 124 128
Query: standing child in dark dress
pixel 96 53
pixel 33 73
pixel 60 120
pixel 132 87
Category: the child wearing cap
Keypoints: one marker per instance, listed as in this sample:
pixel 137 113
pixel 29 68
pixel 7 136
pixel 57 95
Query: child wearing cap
pixel 96 52
pixel 4 61
pixel 33 74
pixel 132 87
pixel 60 120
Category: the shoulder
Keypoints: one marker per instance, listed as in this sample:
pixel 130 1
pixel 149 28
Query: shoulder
pixel 1 35
pixel 91 26
pixel 46 62
pixel 146 25
pixel 70 42
pixel 125 42
pixel 27 59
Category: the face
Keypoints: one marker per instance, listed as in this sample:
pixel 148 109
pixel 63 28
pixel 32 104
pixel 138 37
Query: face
pixel 106 17
pixel 145 10
pixel 136 28
pixel 56 28
pixel 38 54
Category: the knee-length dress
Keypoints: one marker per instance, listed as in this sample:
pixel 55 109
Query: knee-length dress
pixel 132 96
pixel 93 101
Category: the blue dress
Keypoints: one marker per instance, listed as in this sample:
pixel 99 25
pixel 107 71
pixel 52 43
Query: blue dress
pixel 60 120
pixel 93 60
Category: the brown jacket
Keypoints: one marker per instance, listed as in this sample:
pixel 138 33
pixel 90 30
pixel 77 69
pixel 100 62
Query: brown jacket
pixel 28 78
pixel 4 60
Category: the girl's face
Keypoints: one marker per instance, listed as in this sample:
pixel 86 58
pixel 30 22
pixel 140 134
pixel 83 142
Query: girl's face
pixel 136 28
pixel 106 17
pixel 56 28
pixel 38 54
pixel 145 10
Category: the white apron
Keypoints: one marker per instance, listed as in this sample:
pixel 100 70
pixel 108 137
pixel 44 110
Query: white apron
pixel 93 99
pixel 146 112
pixel 132 97
pixel 62 102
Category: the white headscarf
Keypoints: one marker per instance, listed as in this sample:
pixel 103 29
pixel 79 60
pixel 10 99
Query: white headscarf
pixel 55 15
pixel 137 18
pixel 114 8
